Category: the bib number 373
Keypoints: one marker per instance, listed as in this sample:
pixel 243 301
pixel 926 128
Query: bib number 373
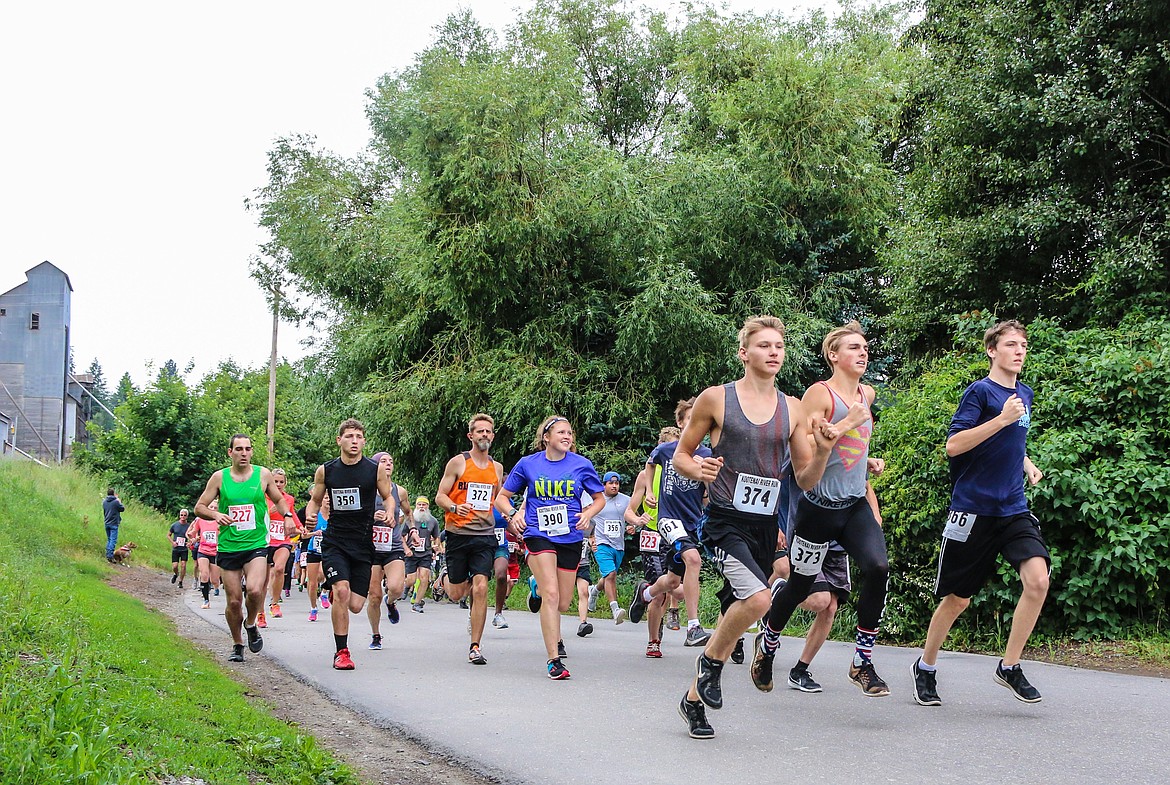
pixel 807 557
pixel 959 525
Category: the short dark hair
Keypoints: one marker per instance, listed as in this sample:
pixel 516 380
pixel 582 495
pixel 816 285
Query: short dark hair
pixel 109 491
pixel 993 334
pixel 232 441
pixel 350 425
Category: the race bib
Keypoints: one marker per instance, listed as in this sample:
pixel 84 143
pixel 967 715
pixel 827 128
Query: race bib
pixel 501 537
pixel 243 516
pixel 648 541
pixel 553 521
pixel 584 549
pixel 959 525
pixel 479 496
pixel 613 529
pixel 672 529
pixel 211 537
pixel 304 559
pixel 513 546
pixel 756 495
pixel 315 542
pixel 276 529
pixel 346 499
pixel 383 538
pixel 180 542
pixel 807 557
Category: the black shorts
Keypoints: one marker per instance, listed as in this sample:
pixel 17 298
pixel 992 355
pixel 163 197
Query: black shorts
pixel 583 572
pixel 415 563
pixel 653 565
pixel 179 554
pixel 963 567
pixel 272 549
pixel 834 575
pixel 568 553
pixel 674 552
pixel 340 565
pixel 235 561
pixel 382 558
pixel 469 555
pixel 742 553
pixel 312 557
pixel 212 558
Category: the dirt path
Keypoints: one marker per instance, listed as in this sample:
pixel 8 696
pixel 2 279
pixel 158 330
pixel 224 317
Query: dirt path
pixel 377 753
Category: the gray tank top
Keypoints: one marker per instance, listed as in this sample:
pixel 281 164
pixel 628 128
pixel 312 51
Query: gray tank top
pixel 844 480
pixel 754 461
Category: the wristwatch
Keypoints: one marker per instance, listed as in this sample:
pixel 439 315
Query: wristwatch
pixel 454 508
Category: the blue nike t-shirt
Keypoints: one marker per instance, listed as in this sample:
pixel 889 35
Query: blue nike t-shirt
pixel 553 490
pixel 989 479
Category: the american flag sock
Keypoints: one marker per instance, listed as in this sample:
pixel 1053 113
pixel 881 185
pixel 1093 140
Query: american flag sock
pixel 865 642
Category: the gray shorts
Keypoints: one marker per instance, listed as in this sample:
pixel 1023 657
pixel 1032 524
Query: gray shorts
pixel 834 575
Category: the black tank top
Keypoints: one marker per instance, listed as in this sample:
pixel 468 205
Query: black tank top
pixel 351 492
pixel 755 459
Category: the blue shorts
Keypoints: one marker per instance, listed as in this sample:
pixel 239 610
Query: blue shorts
pixel 609 559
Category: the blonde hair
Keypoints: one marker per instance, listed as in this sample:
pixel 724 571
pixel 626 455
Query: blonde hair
pixel 682 408
pixel 834 338
pixel 478 418
pixel 542 430
pixel 757 323
pixel 669 434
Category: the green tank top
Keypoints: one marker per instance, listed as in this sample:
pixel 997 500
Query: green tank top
pixel 245 503
pixel 655 485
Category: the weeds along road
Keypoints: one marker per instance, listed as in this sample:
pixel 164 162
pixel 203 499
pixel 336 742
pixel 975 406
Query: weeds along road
pixel 616 719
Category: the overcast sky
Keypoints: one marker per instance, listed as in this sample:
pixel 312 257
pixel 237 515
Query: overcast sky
pixel 132 132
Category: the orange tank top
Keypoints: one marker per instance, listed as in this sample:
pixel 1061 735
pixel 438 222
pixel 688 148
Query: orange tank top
pixel 477 487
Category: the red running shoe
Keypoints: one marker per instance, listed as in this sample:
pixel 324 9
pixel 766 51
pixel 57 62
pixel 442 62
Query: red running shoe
pixel 342 662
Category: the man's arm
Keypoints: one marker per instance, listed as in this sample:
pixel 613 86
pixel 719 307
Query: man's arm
pixel 811 441
pixel 704 420
pixel 210 494
pixel 386 491
pixel 318 493
pixel 1034 475
pixel 968 439
pixel 451 473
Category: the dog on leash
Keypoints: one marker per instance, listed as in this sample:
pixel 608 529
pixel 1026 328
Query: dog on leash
pixel 122 555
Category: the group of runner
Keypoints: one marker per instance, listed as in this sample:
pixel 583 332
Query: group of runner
pixel 779 502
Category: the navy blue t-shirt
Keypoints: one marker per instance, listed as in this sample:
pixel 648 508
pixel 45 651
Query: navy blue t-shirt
pixel 553 494
pixel 678 497
pixel 989 479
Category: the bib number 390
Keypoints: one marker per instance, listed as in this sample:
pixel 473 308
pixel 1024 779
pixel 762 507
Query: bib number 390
pixel 553 520
pixel 959 525
pixel 807 557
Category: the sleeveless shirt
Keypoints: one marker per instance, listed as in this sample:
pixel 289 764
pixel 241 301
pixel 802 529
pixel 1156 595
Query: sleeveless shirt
pixel 754 457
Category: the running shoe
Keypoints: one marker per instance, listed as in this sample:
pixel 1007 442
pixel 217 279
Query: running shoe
pixel 324 600
pixel 464 604
pixel 1013 678
pixel 375 643
pixel 313 615
pixel 180 584
pixel 672 619
pixel 654 650
pixel 761 665
pixel 300 587
pixel 696 718
pixel 255 642
pixel 475 657
pixel 619 616
pixel 638 603
pixel 237 654
pixel 557 671
pixel 392 611
pixel 737 655
pixel 205 605
pixel 499 622
pixel 583 629
pixel 534 600
pixel 417 607
pixel 801 679
pixel 592 599
pixel 261 622
pixel 217 592
pixel 925 686
pixel 341 661
pixel 709 673
pixel 697 636
pixel 174 577
pixel 561 650
pixel 276 612
pixel 287 593
pixel 867 679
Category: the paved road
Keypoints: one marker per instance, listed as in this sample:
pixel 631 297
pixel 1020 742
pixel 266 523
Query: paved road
pixel 616 719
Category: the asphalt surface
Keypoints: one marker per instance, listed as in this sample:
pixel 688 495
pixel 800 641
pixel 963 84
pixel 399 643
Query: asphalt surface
pixel 616 719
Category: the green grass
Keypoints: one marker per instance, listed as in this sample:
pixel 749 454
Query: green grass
pixel 96 688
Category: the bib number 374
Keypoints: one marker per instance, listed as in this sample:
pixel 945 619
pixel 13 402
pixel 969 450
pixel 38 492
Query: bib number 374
pixel 756 495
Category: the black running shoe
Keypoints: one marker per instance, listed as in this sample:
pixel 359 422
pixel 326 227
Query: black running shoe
pixel 1014 680
pixel 475 657
pixel 801 679
pixel 584 629
pixel 925 686
pixel 638 604
pixel 865 677
pixel 174 577
pixel 709 672
pixel 237 654
pixel 761 669
pixel 557 671
pixel 255 642
pixel 561 650
pixel 737 655
pixel 696 717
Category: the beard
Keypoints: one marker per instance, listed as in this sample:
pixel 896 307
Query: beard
pixel 483 445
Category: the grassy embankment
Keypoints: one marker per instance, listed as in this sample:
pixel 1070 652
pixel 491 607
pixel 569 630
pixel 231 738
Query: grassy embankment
pixel 96 688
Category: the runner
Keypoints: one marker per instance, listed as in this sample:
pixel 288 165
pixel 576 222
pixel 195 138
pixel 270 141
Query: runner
pixel 680 508
pixel 177 534
pixel 470 481
pixel 837 508
pixel 553 479
pixel 352 482
pixel 584 587
pixel 989 513
pixel 418 564
pixel 609 543
pixel 313 560
pixel 389 561
pixel 242 543
pixel 753 428
pixel 206 533
pixel 280 544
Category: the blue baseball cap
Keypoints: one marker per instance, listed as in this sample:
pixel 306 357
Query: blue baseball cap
pixel 611 476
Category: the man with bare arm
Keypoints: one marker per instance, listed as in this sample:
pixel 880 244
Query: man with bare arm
pixel 242 555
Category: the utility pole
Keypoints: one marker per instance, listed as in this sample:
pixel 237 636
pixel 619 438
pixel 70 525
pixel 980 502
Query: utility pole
pixel 272 372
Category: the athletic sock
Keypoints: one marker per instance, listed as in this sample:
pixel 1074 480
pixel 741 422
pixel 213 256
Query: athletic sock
pixel 206 589
pixel 865 642
pixel 771 640
pixel 800 666
pixel 922 666
pixel 692 623
pixel 646 595
pixel 613 606
pixel 341 641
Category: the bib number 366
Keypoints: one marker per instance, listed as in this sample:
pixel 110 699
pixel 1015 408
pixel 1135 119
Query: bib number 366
pixel 959 525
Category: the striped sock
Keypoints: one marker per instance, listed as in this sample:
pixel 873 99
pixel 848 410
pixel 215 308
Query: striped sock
pixel 771 640
pixel 865 642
